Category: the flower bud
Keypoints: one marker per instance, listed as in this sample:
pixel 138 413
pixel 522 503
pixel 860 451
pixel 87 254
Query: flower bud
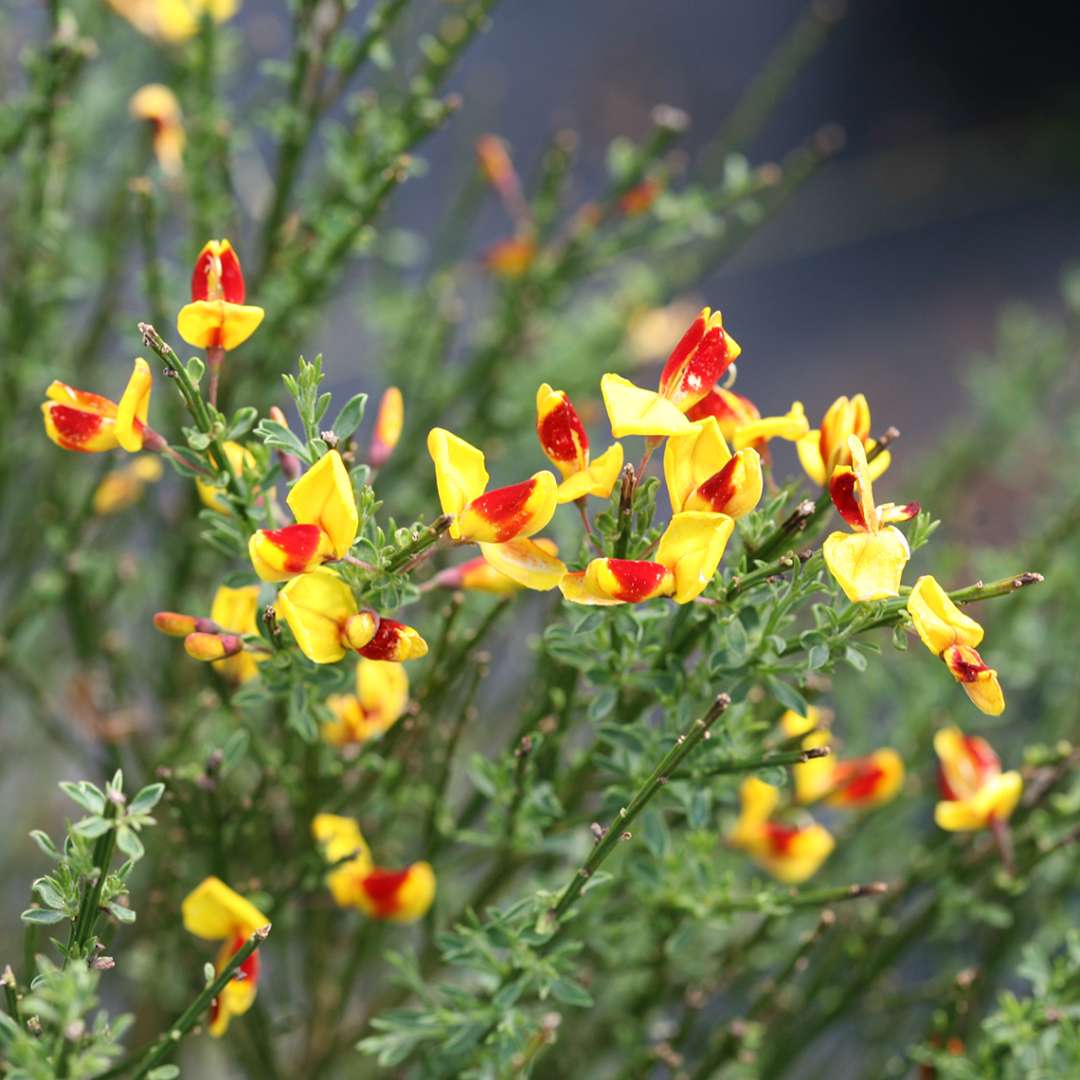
pixel 207 647
pixel 175 624
pixel 359 629
pixel 388 425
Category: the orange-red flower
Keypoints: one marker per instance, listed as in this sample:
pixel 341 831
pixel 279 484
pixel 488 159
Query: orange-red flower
pixel 217 317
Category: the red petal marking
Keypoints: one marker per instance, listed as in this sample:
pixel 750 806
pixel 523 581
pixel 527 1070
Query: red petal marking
pixel 720 405
pixel 637 578
pixel 232 277
pixel 382 888
pixel 780 837
pixel 507 508
pixel 842 493
pixel 84 399
pixel 680 355
pixel 74 426
pixel 720 488
pixel 981 758
pixel 967 665
pixel 250 969
pixel 707 364
pixel 200 276
pixel 299 542
pixel 857 781
pixel 562 434
pixel 384 645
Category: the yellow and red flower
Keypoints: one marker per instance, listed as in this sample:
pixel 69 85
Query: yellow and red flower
pixel 565 443
pixel 355 881
pixel 868 562
pixel 234 611
pixel 217 317
pixel 975 793
pixel 500 521
pixel 742 424
pixel 157 105
pixel 857 783
pixel 214 912
pixel 89 423
pixel 389 422
pixel 792 853
pixel 700 358
pixel 686 560
pixel 241 461
pixel 325 619
pixel 123 487
pixel 382 694
pixel 951 635
pixel 172 21
pixel 702 474
pixel 479 575
pixel 822 449
pixel 324 506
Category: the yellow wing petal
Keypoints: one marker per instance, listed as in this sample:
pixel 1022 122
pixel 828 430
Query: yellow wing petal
pixel 634 411
pixel 691 548
pixel 692 457
pixel 526 562
pixel 134 407
pixel 459 470
pixel 214 912
pixel 867 566
pixel 324 496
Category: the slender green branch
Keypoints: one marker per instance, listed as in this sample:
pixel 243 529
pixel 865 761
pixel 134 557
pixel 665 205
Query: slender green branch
pixel 11 993
pixel 738 765
pixel 154 1055
pixel 616 831
pixel 420 544
pixel 86 920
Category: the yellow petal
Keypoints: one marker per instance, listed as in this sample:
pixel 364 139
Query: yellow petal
pixel 792 426
pixel 692 458
pixel 867 566
pixel 634 411
pixel 525 562
pixel 459 470
pixel 397 896
pixel 597 479
pixel 510 512
pixel 316 606
pixel 995 800
pixel 937 620
pixel 813 778
pixel 809 451
pixel 793 724
pixel 692 547
pixel 134 407
pixel 578 590
pixel 324 496
pixel 340 838
pixel 735 490
pixel 810 847
pixel 215 912
pixel 241 461
pixel 757 801
pixel 985 693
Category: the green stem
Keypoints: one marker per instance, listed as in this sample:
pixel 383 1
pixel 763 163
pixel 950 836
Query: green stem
pixel 154 1055
pixel 684 746
pixel 87 917
pixel 738 765
pixel 420 543
pixel 11 994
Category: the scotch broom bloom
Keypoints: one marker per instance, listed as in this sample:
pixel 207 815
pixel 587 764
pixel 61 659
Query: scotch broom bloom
pixel 214 912
pixel 822 449
pixel 172 21
pixel 702 474
pixel 742 424
pixel 951 635
pixel 686 560
pixel 382 694
pixel 857 783
pixel 234 611
pixel 565 443
pixel 324 506
pixel 479 575
pixel 217 317
pixel 389 422
pixel 157 105
pixel 123 487
pixel 791 853
pixel 700 358
pixel 975 793
pixel 501 521
pixel 324 617
pixel 354 880
pixel 866 563
pixel 89 423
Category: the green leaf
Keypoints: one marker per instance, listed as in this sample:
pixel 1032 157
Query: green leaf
pixel 120 913
pixel 129 843
pixel 278 436
pixel 786 695
pixel 242 422
pixel 44 841
pixel 49 894
pixel 350 417
pixel 163 1072
pixel 85 794
pixel 91 827
pixel 147 799
pixel 571 993
pixel 42 916
pixel 195 369
pixel 818 657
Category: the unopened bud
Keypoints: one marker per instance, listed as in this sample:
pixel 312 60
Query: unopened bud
pixel 359 629
pixel 209 647
pixel 174 624
pixel 389 421
pixel 103 963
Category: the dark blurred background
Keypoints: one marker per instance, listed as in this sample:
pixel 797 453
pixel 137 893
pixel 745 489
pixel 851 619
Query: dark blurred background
pixel 956 192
